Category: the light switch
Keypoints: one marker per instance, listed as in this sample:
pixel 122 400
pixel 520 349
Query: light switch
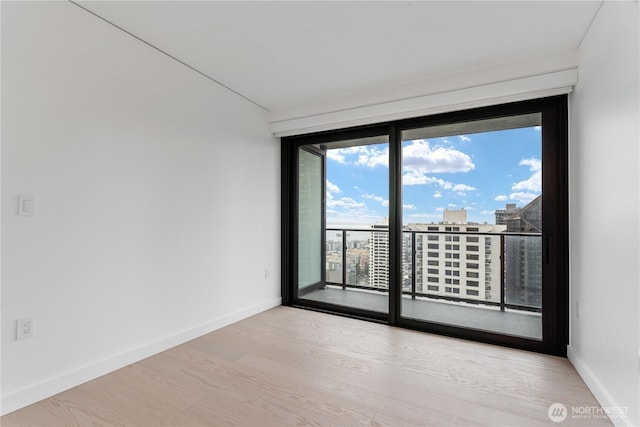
pixel 26 205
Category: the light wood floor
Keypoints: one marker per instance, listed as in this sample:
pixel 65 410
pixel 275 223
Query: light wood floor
pixel 289 366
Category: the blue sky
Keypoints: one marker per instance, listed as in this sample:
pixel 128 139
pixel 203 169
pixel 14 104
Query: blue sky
pixel 479 172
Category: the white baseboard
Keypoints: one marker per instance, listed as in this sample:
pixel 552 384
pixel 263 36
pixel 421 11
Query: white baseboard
pixel 599 391
pixel 35 392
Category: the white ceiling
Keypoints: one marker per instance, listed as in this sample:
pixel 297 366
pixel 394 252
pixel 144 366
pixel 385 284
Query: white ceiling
pixel 283 54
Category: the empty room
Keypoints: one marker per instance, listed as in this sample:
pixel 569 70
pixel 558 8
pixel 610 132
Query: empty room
pixel 334 213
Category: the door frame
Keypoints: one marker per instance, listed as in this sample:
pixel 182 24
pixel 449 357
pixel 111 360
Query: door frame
pixel 289 194
pixel 323 223
pixel 555 286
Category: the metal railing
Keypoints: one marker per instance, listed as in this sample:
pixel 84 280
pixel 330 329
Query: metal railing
pixel 514 248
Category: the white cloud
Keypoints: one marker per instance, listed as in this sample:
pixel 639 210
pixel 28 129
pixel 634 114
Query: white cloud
pixel 346 202
pixel 534 182
pixel 487 212
pixel 533 163
pixel 439 209
pixel 362 155
pixel 501 198
pixel 374 157
pixel 452 205
pixel 421 216
pixel 522 198
pixel 538 128
pixel 420 157
pixel 336 155
pixel 329 198
pixel 409 207
pixel 464 138
pixel 463 187
pixel 417 178
pixel 332 188
pixel 379 199
pixel 355 149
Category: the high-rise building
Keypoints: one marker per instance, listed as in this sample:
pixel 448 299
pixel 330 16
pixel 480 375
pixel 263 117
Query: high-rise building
pixel 454 216
pixel 527 219
pixel 522 220
pixel 347 262
pixel 523 256
pixel 464 264
pixel 379 255
pixel 334 268
pixel 503 214
pixel 459 260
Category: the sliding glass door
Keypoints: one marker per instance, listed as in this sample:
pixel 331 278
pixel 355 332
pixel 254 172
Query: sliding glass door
pixel 454 223
pixel 310 221
pixel 343 224
pixel 473 236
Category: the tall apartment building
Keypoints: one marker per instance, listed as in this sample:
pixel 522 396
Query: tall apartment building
pixel 454 216
pixel 523 255
pixel 502 214
pixel 379 255
pixel 522 220
pixel 354 254
pixel 334 268
pixel 460 260
pixel 462 264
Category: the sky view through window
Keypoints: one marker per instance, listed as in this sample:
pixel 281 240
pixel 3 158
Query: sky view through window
pixel 479 172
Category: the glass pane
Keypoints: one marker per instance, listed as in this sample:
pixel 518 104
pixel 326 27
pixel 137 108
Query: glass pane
pixel 357 233
pixel 523 271
pixel 309 219
pixel 472 203
pixel 335 261
pixel 358 258
pixel 364 250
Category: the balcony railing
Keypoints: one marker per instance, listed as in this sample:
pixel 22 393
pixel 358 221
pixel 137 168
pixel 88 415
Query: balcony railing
pixel 507 269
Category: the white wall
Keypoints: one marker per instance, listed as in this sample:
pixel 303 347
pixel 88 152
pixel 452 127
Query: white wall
pixel 604 191
pixel 157 201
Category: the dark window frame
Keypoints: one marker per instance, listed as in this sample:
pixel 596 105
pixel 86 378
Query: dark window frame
pixel 555 320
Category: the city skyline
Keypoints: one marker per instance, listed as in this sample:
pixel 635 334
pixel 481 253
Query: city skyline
pixel 479 172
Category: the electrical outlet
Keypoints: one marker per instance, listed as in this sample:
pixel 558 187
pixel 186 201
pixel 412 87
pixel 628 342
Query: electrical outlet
pixel 24 328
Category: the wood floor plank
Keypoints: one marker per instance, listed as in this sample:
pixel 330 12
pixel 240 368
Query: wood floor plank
pixel 294 367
